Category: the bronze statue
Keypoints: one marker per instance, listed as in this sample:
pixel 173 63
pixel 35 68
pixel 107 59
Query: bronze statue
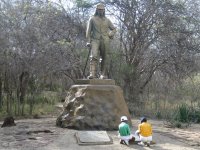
pixel 99 32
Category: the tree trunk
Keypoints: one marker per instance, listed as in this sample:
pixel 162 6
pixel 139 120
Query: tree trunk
pixel 23 86
pixel 1 96
pixel 7 91
pixel 18 101
pixel 31 104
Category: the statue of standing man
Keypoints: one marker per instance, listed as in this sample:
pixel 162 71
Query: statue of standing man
pixel 99 32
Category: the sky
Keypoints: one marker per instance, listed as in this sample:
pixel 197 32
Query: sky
pixel 67 3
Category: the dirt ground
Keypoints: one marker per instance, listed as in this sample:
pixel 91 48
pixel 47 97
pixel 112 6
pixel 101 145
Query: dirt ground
pixel 42 134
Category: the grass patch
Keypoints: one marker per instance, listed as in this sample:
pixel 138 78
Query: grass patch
pixel 43 109
pixel 182 116
pixel 42 104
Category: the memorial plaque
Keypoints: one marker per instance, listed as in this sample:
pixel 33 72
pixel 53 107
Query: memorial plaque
pixel 93 138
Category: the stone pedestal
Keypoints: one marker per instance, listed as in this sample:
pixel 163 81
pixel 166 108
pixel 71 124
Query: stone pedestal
pixel 95 81
pixel 95 105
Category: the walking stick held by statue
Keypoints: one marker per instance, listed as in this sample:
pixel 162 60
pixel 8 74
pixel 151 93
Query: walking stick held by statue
pixel 89 48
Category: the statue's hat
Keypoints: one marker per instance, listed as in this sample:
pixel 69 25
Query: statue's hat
pixel 100 6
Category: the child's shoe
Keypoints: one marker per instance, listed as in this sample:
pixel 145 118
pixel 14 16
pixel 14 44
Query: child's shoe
pixel 121 141
pixel 141 143
pixel 148 144
pixel 126 142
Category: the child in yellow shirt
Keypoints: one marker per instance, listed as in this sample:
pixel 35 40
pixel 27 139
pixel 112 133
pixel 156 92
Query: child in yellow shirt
pixel 144 132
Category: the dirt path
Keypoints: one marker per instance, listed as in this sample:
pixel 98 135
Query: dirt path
pixel 42 134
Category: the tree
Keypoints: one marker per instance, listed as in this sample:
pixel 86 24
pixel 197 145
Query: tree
pixel 154 35
pixel 42 41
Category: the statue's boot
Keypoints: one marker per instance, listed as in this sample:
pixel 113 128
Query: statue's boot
pixel 103 76
pixel 93 69
pixel 104 66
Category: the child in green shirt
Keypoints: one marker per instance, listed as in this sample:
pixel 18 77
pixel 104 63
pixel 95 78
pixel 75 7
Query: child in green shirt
pixel 124 131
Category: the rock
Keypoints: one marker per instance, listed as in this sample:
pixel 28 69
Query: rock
pixel 94 107
pixel 36 116
pixel 8 122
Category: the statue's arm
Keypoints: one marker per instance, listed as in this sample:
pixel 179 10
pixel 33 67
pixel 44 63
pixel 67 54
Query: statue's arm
pixel 112 29
pixel 89 30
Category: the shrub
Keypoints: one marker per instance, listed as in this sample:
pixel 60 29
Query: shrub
pixel 195 116
pixel 179 117
pixel 183 113
pixel 158 115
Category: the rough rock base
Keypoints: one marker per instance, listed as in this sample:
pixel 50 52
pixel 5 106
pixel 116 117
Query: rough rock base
pixel 93 107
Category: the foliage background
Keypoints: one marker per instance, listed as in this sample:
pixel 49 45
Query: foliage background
pixel 155 54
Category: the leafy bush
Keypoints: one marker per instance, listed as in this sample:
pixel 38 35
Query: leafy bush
pixel 183 113
pixel 182 116
pixel 158 115
pixel 179 117
pixel 195 116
